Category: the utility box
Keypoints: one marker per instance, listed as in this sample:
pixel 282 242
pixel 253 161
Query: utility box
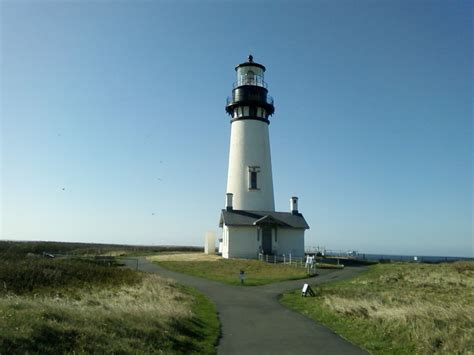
pixel 210 243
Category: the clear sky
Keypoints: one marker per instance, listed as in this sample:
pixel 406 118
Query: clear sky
pixel 114 128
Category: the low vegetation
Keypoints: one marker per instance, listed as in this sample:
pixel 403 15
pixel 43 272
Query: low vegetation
pixel 228 270
pixel 47 275
pixel 79 306
pixel 399 308
pixel 15 249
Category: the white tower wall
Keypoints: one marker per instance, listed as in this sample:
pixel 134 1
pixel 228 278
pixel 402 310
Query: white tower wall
pixel 250 149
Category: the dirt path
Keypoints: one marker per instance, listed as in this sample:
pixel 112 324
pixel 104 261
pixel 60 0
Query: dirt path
pixel 254 322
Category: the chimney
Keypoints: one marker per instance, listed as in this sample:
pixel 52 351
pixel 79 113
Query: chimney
pixel 228 201
pixel 294 205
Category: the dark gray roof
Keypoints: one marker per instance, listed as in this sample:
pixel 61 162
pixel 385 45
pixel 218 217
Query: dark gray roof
pixel 255 218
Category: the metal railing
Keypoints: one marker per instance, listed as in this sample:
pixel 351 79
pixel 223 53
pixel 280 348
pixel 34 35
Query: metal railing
pixel 299 262
pixel 282 259
pixel 255 80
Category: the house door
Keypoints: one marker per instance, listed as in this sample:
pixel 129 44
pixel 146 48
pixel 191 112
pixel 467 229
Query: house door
pixel 267 240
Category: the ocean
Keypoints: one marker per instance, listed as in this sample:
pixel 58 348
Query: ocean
pixel 420 258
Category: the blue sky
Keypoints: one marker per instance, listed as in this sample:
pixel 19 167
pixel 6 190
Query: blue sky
pixel 114 129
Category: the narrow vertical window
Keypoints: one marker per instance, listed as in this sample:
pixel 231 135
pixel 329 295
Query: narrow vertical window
pixel 253 177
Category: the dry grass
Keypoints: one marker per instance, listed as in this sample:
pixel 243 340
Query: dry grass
pixel 184 257
pixel 401 308
pixel 153 316
pixel 63 306
pixel 154 296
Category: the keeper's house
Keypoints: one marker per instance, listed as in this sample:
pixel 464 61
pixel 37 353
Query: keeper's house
pixel 248 233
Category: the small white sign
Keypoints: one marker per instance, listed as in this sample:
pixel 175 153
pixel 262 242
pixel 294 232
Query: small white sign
pixel 307 290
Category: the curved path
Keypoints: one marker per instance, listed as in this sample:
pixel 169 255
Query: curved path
pixel 254 322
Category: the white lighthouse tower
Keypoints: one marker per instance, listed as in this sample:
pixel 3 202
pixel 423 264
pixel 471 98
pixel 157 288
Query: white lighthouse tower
pixel 250 223
pixel 250 166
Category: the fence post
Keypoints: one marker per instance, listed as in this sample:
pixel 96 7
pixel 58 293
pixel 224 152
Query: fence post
pixel 290 258
pixel 274 259
pixel 266 256
pixel 284 259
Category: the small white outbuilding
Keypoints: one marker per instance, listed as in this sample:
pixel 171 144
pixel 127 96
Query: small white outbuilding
pixel 210 243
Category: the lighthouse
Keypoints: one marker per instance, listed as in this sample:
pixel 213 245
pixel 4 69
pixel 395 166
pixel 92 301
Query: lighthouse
pixel 250 168
pixel 250 224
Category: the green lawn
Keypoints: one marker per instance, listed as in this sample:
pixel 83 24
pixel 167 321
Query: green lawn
pixel 227 270
pixel 400 308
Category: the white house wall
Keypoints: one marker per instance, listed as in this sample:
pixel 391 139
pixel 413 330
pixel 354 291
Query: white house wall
pixel 242 242
pixel 246 242
pixel 225 241
pixel 290 241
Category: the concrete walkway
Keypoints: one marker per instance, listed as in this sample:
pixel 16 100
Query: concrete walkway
pixel 254 322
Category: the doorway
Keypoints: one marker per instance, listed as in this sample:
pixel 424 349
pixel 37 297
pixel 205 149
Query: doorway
pixel 267 240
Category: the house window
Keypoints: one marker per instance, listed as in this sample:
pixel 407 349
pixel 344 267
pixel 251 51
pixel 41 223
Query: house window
pixel 253 177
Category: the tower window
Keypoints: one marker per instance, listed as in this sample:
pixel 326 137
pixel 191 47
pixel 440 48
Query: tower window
pixel 253 177
pixel 253 111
